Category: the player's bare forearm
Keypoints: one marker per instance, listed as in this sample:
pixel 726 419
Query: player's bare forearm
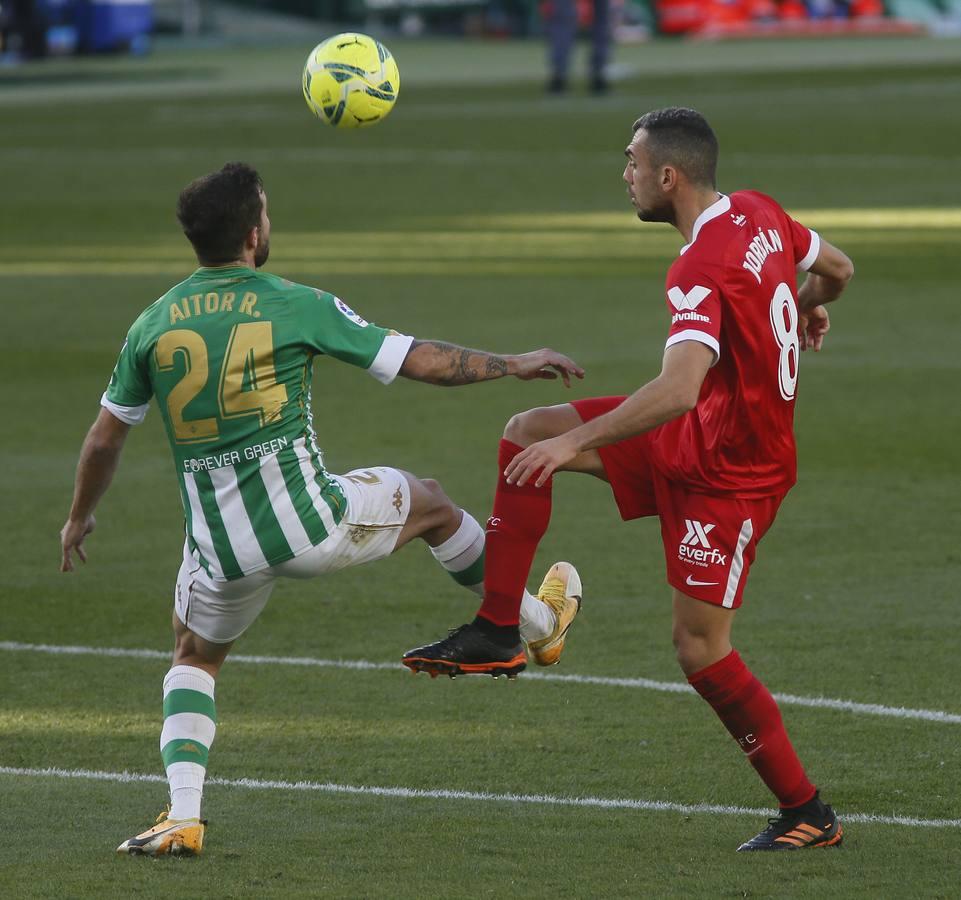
pixel 437 362
pixel 653 404
pixel 826 279
pixel 95 471
pixel 673 393
pixel 99 457
pixel 816 290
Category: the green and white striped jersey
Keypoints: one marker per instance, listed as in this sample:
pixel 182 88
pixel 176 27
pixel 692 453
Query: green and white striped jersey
pixel 228 354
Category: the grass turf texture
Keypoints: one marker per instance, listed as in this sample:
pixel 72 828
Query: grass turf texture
pixel 488 215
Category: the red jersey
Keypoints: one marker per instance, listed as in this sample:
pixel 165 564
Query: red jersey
pixel 734 288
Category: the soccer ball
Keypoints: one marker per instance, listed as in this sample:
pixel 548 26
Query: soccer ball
pixel 350 80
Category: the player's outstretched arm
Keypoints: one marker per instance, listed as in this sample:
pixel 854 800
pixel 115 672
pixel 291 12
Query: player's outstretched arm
pixel 673 393
pixel 98 461
pixel 826 279
pixel 435 362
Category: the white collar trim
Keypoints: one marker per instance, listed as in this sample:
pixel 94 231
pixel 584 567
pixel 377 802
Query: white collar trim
pixel 718 208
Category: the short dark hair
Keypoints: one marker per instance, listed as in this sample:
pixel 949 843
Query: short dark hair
pixel 217 211
pixel 681 137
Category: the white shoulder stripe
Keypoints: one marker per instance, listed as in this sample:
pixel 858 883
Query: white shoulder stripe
pixel 390 357
pixel 812 253
pixel 131 415
pixel 691 334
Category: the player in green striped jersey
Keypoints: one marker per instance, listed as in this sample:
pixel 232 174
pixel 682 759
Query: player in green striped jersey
pixel 228 355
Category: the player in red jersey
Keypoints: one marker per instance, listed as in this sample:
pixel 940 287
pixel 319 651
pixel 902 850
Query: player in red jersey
pixel 708 446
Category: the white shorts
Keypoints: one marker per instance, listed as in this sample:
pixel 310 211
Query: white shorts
pixel 221 611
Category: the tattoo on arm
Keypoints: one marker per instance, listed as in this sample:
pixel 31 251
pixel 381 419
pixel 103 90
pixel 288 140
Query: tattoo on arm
pixel 463 372
pixel 496 367
pixel 450 365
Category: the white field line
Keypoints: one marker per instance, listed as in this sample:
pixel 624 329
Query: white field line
pixel 671 687
pixel 404 793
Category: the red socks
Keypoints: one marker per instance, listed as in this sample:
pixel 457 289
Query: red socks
pixel 515 528
pixel 750 713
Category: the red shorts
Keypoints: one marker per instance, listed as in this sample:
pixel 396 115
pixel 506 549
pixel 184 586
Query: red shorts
pixel 709 541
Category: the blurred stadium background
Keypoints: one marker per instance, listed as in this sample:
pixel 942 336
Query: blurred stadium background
pixel 483 212
pixel 32 28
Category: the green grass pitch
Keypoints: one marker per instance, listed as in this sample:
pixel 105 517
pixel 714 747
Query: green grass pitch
pixel 484 213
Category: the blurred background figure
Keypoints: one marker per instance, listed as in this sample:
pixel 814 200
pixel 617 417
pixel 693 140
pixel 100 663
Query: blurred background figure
pixel 561 24
pixel 23 29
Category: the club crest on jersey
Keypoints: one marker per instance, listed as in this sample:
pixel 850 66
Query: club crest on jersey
pixel 346 311
pixel 686 304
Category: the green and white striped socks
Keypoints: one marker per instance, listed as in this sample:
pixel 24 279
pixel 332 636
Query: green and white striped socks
pixel 462 555
pixel 190 723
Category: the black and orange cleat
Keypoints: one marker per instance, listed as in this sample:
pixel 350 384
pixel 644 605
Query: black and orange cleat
pixel 812 825
pixel 467 651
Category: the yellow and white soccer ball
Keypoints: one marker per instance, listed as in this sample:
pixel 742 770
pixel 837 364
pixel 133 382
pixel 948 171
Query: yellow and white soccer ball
pixel 350 81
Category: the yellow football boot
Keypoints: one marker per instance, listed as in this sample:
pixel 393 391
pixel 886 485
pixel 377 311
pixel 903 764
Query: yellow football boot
pixel 561 591
pixel 169 837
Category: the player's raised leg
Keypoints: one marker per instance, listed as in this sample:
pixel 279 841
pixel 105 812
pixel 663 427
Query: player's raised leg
pixel 190 722
pixel 456 540
pixel 521 514
pixel 519 520
pixel 702 639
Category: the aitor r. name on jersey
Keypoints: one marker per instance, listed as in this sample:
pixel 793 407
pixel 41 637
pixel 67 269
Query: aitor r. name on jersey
pixel 228 354
pixel 734 289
